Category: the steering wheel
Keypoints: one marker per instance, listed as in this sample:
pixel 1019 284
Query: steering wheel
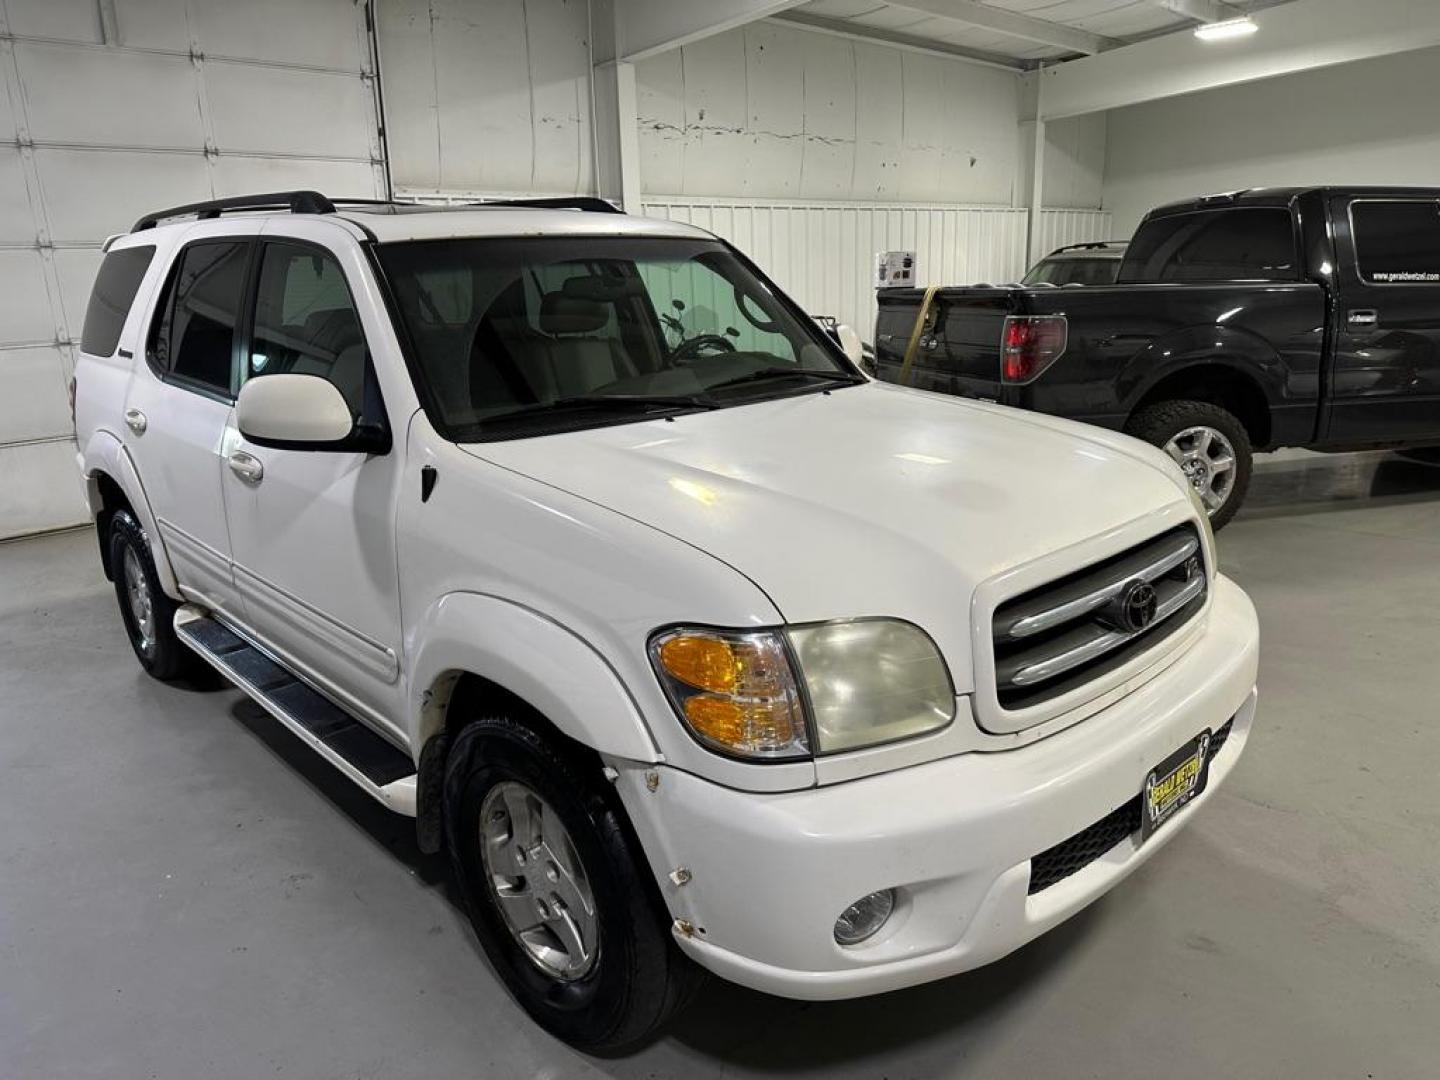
pixel 690 350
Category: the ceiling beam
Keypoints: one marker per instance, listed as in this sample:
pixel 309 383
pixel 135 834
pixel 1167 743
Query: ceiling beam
pixel 1026 27
pixel 910 43
pixel 645 28
pixel 1298 36
pixel 1203 11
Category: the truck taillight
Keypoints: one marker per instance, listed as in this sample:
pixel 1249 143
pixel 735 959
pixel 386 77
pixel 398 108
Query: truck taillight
pixel 1030 344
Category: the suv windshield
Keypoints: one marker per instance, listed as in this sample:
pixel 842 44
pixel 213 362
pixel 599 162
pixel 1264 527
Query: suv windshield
pixel 522 336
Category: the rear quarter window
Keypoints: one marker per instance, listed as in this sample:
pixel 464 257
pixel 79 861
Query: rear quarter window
pixel 1397 242
pixel 115 287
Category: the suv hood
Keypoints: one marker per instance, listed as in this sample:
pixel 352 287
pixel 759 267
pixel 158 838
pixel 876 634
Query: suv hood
pixel 869 500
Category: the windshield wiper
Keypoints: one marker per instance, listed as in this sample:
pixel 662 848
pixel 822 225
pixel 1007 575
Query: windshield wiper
pixel 609 403
pixel 788 372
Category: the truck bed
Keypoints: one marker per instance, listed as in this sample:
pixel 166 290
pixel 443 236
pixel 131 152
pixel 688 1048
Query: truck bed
pixel 1121 340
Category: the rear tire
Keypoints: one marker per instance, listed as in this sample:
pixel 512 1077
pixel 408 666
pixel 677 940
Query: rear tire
pixel 1208 443
pixel 603 982
pixel 148 614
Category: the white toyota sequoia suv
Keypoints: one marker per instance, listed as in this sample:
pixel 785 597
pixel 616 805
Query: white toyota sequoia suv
pixel 568 534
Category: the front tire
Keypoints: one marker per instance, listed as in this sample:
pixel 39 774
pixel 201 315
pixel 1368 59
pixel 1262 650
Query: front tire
pixel 1209 444
pixel 557 889
pixel 148 614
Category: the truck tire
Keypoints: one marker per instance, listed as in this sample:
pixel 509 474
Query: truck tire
pixel 147 612
pixel 1209 443
pixel 557 889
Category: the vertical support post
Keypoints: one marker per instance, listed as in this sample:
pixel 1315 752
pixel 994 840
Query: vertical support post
pixel 1033 131
pixel 1037 192
pixel 614 111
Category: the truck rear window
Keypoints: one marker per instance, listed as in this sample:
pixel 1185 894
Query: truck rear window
pixel 1397 241
pixel 1250 243
pixel 110 300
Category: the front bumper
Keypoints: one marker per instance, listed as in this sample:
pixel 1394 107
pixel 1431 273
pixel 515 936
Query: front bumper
pixel 768 874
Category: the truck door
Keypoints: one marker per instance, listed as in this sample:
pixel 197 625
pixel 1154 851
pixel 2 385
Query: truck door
pixel 313 531
pixel 1385 371
pixel 178 407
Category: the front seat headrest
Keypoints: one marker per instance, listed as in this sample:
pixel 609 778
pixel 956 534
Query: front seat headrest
pixel 562 314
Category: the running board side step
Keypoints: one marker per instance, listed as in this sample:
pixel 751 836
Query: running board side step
pixel 378 767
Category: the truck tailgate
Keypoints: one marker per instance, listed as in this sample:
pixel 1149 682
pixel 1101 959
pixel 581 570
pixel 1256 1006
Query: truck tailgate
pixel 959 348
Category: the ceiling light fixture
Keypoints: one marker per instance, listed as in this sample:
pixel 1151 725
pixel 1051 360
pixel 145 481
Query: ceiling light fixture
pixel 1226 29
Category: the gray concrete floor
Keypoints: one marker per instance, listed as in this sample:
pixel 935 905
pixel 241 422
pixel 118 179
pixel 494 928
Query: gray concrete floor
pixel 186 893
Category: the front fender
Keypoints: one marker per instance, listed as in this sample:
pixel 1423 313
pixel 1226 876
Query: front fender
pixel 104 453
pixel 533 657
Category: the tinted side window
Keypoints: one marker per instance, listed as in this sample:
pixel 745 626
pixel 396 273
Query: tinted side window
pixel 306 323
pixel 1397 242
pixel 1244 244
pixel 110 299
pixel 195 337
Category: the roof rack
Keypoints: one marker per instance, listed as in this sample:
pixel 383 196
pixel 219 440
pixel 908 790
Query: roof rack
pixel 312 202
pixel 1090 245
pixel 590 203
pixel 297 202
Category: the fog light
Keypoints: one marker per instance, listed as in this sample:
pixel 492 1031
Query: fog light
pixel 864 918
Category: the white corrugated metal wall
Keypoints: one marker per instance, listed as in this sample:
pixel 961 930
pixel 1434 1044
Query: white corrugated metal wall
pixel 1061 227
pixel 176 100
pixel 823 254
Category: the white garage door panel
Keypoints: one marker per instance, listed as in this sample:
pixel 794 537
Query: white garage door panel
pixel 321 112
pixel 69 20
pixel 338 178
pixel 24 305
pixel 33 400
pixel 76 268
pixel 194 99
pixel 75 94
pixel 92 193
pixel 41 489
pixel 17 224
pixel 317 33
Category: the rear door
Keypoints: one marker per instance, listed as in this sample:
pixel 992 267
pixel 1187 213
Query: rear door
pixel 177 411
pixel 1385 371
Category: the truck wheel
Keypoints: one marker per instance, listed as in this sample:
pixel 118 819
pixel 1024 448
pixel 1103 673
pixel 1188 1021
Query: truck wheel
pixel 147 612
pixel 1208 443
pixel 557 890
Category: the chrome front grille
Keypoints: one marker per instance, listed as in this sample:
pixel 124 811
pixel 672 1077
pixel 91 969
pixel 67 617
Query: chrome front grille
pixel 1060 636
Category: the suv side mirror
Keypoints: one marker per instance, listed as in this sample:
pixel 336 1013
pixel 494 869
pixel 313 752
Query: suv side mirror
pixel 300 412
pixel 850 343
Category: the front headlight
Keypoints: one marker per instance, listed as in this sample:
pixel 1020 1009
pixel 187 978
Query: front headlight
pixel 872 681
pixel 865 681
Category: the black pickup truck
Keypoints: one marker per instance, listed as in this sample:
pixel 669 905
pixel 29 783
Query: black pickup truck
pixel 1238 322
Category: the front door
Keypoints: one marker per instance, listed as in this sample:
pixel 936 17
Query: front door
pixel 1385 373
pixel 178 408
pixel 312 531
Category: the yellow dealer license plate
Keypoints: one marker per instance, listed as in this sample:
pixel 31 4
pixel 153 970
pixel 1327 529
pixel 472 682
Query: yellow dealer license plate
pixel 1173 783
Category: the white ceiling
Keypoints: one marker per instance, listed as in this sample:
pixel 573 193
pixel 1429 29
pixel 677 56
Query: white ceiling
pixel 1117 22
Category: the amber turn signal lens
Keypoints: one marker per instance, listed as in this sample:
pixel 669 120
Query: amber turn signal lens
pixel 763 726
pixel 706 663
pixel 734 689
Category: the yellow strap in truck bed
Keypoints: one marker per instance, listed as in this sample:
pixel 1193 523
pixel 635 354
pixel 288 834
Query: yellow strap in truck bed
pixel 916 334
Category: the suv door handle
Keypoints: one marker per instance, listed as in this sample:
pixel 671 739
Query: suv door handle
pixel 1362 317
pixel 135 420
pixel 246 466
